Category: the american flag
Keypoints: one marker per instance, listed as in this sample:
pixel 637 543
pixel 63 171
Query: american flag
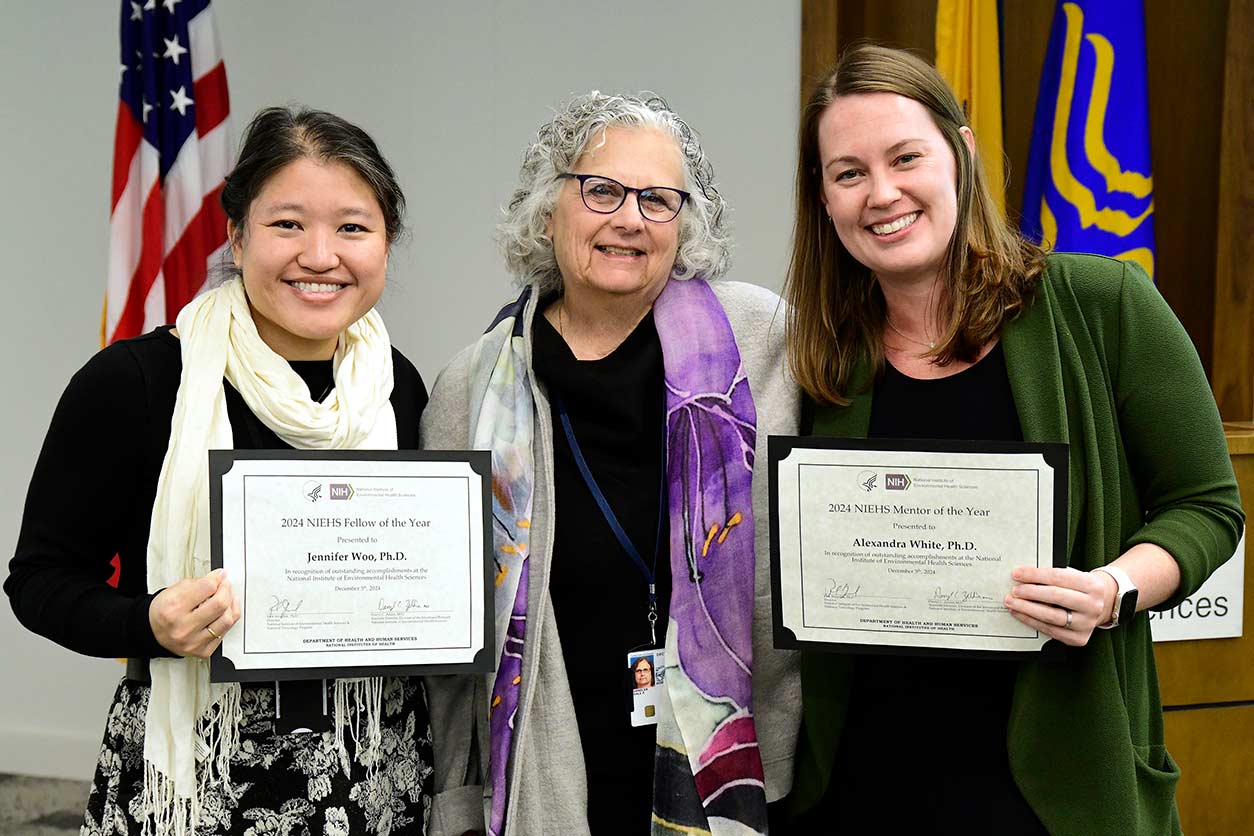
pixel 171 152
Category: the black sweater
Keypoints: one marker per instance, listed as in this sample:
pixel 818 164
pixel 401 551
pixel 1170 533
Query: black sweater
pixel 933 729
pixel 600 597
pixel 94 484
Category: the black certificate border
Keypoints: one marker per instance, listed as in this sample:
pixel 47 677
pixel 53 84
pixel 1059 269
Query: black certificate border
pixel 779 447
pixel 221 462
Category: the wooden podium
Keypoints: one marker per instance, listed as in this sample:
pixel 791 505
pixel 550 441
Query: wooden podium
pixel 1208 696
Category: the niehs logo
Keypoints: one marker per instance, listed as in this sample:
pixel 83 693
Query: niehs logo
pixel 341 491
pixel 896 481
pixel 312 491
pixel 866 480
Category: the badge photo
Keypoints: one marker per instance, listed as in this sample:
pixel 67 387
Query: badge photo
pixel 648 671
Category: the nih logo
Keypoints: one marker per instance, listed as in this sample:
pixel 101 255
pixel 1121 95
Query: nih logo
pixel 892 482
pixel 341 491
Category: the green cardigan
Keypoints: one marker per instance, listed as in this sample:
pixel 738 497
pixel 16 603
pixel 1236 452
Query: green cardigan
pixel 1098 361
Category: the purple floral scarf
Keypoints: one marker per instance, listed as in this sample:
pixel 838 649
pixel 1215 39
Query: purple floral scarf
pixel 708 769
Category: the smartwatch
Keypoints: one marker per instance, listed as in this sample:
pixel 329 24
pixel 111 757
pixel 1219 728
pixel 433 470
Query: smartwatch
pixel 1125 597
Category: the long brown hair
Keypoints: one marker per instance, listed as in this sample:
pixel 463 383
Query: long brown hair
pixel 836 310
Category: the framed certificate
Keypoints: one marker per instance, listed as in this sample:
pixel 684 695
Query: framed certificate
pixel 907 546
pixel 353 562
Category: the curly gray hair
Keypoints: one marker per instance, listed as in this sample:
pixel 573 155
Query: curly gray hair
pixel 704 234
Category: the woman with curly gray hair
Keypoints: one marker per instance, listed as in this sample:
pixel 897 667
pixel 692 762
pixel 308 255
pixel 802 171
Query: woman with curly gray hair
pixel 625 396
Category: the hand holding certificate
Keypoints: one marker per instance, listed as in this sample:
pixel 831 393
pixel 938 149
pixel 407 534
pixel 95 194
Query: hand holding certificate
pixel 352 563
pixel 910 544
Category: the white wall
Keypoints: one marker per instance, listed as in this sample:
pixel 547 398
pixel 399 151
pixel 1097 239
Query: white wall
pixel 452 91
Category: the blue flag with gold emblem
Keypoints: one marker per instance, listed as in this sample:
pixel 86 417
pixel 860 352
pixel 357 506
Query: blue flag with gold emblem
pixel 1088 186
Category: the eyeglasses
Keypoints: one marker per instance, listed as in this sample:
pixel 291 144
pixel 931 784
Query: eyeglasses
pixel 604 195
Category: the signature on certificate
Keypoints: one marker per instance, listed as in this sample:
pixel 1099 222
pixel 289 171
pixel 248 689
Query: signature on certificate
pixel 280 607
pixel 958 596
pixel 399 605
pixel 837 590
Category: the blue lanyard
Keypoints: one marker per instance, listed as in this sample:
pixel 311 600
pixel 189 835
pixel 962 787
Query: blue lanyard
pixel 649 572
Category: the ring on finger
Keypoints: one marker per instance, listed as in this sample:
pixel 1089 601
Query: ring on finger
pixel 1067 626
pixel 219 638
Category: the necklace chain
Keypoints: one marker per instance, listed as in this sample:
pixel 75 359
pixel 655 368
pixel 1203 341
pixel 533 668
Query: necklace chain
pixel 930 345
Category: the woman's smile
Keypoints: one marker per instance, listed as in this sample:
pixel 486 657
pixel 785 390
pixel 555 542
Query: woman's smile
pixel 888 230
pixel 619 252
pixel 316 291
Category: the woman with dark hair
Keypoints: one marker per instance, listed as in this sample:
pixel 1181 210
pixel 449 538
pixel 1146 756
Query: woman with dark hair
pixel 288 352
pixel 917 312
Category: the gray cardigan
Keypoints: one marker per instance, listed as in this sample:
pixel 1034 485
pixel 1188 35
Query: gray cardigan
pixel 548 789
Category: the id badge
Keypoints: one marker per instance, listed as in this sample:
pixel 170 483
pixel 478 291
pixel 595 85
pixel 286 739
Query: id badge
pixel 647 672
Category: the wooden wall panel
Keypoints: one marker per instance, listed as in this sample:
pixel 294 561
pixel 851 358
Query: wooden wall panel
pixel 905 24
pixel 1215 750
pixel 819 43
pixel 828 26
pixel 1184 42
pixel 1025 37
pixel 1233 365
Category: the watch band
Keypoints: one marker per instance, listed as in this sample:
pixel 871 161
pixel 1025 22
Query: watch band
pixel 1123 585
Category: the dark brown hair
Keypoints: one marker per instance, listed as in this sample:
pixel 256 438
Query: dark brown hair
pixel 836 310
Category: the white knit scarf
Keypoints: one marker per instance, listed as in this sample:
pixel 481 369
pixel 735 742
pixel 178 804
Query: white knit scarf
pixel 192 726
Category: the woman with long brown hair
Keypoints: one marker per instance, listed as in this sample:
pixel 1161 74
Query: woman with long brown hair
pixel 917 312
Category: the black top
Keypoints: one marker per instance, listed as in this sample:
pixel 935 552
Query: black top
pixel 924 743
pixel 600 598
pixel 95 482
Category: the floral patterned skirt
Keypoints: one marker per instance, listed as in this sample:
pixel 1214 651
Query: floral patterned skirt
pixel 281 785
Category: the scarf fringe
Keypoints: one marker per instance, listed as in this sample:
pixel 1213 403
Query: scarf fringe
pixel 365 698
pixel 165 813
